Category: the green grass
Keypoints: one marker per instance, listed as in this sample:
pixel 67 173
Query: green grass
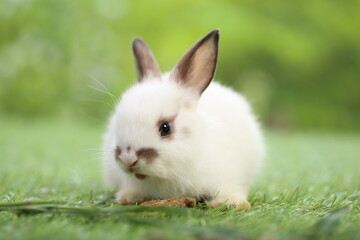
pixel 309 189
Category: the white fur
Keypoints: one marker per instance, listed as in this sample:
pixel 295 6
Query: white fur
pixel 215 151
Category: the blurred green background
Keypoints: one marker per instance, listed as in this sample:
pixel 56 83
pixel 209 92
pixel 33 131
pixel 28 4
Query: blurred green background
pixel 297 61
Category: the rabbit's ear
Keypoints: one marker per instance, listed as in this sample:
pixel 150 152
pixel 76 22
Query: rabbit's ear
pixel 197 67
pixel 146 64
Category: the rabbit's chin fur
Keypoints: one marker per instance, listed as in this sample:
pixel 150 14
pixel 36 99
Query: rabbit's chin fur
pixel 213 153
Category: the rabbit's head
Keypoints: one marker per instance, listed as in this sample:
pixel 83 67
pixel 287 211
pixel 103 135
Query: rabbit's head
pixel 158 127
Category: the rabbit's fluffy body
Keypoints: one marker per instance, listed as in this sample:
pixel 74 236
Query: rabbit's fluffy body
pixel 213 153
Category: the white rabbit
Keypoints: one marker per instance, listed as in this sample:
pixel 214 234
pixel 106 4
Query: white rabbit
pixel 177 134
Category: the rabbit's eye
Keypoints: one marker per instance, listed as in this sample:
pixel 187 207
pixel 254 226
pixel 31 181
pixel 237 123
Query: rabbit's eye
pixel 164 129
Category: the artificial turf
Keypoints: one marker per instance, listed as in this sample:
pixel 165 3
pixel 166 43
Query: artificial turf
pixel 51 188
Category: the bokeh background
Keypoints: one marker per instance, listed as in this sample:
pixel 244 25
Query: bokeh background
pixel 297 61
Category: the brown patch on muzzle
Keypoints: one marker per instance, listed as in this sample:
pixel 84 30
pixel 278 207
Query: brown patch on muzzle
pixel 148 154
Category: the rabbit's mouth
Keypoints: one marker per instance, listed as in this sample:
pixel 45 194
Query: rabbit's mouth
pixel 140 176
pixel 137 175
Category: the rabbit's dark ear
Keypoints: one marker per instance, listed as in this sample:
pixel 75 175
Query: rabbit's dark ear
pixel 197 67
pixel 146 64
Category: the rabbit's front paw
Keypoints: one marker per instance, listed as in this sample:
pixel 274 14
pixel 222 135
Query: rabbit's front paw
pixel 124 197
pixel 230 201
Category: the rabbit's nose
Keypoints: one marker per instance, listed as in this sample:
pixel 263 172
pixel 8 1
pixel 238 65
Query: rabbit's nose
pixel 128 158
